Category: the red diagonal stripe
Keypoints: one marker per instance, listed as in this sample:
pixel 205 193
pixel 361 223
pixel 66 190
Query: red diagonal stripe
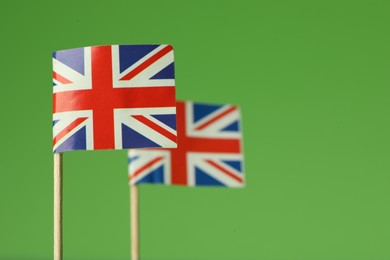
pixel 224 171
pixel 61 79
pixel 69 128
pixel 156 128
pixel 147 63
pixel 205 124
pixel 149 164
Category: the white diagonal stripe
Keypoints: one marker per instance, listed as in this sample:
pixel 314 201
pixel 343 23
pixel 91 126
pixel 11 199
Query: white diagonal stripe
pixel 122 115
pixel 145 156
pixel 78 80
pixel 214 129
pixel 154 68
pixel 198 159
pixel 88 128
pixel 65 118
pixel 161 124
pixel 139 62
pixel 217 174
pixel 143 78
pixel 222 122
pixel 211 115
pixel 149 133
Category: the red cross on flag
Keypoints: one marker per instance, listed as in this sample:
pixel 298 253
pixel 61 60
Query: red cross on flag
pixel 209 150
pixel 114 97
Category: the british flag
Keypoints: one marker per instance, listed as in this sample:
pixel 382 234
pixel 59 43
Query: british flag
pixel 209 150
pixel 114 97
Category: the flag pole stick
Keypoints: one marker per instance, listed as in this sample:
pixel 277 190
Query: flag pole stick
pixel 134 225
pixel 57 206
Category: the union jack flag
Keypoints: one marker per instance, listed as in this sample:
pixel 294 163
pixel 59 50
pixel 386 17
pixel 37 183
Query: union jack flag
pixel 209 150
pixel 114 97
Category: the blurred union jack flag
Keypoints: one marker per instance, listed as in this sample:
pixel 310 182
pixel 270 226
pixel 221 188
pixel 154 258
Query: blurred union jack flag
pixel 209 150
pixel 114 97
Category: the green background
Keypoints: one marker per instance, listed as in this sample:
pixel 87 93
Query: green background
pixel 312 79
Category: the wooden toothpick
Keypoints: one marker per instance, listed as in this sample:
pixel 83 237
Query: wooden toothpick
pixel 57 206
pixel 134 225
